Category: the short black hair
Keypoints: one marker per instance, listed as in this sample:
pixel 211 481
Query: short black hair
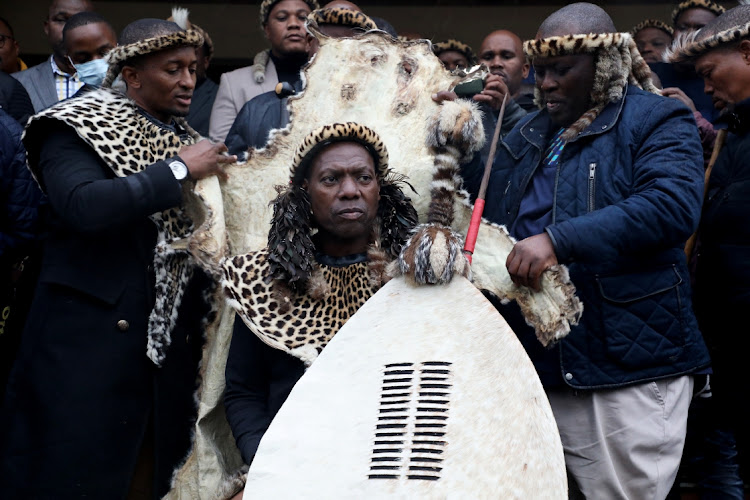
pixel 143 29
pixel 6 23
pixel 577 19
pixel 83 19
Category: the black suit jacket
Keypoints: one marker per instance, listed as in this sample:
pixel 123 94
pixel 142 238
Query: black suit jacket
pixel 82 393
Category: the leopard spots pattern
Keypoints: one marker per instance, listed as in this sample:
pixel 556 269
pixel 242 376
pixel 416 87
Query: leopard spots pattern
pixel 128 142
pixel 309 322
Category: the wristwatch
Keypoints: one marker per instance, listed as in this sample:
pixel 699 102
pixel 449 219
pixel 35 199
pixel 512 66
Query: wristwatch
pixel 179 170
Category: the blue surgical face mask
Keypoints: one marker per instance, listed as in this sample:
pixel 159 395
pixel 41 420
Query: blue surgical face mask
pixel 93 71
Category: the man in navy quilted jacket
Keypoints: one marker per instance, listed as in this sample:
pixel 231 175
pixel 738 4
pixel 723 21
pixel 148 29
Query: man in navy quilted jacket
pixel 607 179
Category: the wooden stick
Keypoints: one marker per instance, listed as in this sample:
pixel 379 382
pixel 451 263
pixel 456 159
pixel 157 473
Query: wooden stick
pixel 476 214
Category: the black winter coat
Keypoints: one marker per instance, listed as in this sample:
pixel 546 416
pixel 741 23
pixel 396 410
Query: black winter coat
pixel 83 397
pixel 722 280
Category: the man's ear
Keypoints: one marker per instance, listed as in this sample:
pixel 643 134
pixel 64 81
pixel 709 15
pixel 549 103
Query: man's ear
pixel 265 31
pixel 525 69
pixel 131 77
pixel 745 50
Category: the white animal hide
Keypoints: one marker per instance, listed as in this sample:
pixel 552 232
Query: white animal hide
pixel 500 438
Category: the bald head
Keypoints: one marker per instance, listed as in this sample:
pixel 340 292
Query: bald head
pixel 502 52
pixel 577 19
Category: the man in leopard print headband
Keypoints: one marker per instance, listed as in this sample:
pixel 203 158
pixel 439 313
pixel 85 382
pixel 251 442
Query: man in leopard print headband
pixel 337 225
pixel 100 390
pixel 607 179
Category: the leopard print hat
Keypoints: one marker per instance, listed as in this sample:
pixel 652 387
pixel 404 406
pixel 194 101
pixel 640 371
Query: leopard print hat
pixel 458 46
pixel 652 23
pixel 697 4
pixel 726 30
pixel 617 62
pixel 341 17
pixel 123 53
pixel 290 246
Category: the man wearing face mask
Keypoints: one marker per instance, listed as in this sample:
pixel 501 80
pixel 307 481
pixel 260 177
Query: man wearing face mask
pixel 54 79
pixel 88 38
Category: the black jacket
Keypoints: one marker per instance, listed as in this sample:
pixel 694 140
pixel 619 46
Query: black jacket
pixel 83 395
pixel 259 378
pixel 722 280
pixel 14 99
pixel 256 119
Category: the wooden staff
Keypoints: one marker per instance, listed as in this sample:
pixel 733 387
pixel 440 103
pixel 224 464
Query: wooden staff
pixel 476 214
pixel 718 144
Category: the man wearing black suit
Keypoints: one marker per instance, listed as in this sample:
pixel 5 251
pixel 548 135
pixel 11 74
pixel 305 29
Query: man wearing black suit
pixel 99 402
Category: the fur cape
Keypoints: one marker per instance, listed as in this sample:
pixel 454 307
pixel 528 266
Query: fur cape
pixel 458 46
pixel 691 46
pixel 697 4
pixel 105 113
pixel 617 61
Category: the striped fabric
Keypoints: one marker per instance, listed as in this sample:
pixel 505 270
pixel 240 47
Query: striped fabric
pixel 66 85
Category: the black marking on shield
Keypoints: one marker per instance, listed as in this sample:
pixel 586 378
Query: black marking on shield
pixel 410 434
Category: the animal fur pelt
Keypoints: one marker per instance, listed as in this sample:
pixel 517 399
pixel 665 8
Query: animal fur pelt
pixel 386 85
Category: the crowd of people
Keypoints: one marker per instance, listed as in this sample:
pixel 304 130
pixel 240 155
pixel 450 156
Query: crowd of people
pixel 620 157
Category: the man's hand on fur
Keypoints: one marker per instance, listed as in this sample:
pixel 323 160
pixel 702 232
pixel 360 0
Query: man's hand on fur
pixel 205 158
pixel 529 259
pixel 493 93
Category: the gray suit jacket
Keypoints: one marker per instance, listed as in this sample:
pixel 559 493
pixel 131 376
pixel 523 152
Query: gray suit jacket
pixel 39 82
pixel 235 89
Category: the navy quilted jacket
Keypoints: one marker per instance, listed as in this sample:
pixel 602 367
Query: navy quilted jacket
pixel 627 196
pixel 19 193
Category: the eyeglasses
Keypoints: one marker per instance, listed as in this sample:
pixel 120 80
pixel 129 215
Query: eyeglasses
pixel 3 38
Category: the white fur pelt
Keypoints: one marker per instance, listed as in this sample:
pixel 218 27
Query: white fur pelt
pixel 470 420
pixel 386 85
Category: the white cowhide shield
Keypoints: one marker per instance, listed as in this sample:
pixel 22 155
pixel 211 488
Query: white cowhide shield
pixel 424 393
pixel 386 85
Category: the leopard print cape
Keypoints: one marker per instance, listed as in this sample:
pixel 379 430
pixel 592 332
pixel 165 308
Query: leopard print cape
pixel 128 142
pixel 300 324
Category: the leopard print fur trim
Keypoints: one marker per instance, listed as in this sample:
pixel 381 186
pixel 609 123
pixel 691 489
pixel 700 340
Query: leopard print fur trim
pixel 652 23
pixel 618 63
pixel 342 17
pixel 128 143
pixel 298 323
pixel 122 53
pixel 267 5
pixel 337 132
pixel 458 46
pixel 697 4
pixel 688 47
